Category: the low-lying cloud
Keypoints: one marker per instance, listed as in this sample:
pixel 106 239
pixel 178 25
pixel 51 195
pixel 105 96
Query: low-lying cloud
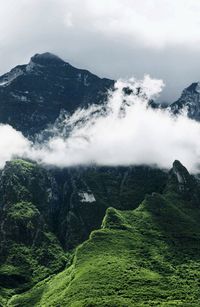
pixel 123 131
pixel 12 143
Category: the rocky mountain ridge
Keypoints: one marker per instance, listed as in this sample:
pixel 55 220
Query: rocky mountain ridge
pixel 189 102
pixel 33 95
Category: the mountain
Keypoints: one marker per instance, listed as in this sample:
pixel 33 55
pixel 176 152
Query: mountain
pixel 33 95
pixel 91 236
pixel 37 94
pixel 45 214
pixel 148 256
pixel 189 100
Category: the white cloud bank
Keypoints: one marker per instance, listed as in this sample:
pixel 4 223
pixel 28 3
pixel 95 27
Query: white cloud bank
pixel 153 23
pixel 124 131
pixel 12 143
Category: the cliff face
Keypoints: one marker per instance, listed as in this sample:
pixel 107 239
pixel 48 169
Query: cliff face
pixel 189 102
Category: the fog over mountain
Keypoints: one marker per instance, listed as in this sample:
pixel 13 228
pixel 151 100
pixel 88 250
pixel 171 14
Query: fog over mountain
pixel 120 130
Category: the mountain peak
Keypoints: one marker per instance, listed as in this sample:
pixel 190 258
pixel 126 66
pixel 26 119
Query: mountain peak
pixel 190 101
pixel 194 87
pixel 37 92
pixel 178 168
pixel 186 183
pixel 46 58
pixel 180 172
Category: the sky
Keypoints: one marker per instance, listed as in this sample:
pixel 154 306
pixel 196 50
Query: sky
pixel 112 38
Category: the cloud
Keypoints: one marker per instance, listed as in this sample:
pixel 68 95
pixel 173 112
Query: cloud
pixel 152 23
pixel 123 131
pixel 12 143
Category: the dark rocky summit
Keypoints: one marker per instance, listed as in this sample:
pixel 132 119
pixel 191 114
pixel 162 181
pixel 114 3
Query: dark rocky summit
pixel 33 95
pixel 189 101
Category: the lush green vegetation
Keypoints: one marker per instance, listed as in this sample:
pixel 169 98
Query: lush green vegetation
pixel 29 250
pixel 145 255
pixel 149 256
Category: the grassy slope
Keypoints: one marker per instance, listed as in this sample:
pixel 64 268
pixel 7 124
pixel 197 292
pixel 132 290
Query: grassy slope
pixel 146 257
pixel 33 217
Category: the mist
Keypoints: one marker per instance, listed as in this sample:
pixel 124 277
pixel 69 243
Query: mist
pixel 123 131
pixel 12 143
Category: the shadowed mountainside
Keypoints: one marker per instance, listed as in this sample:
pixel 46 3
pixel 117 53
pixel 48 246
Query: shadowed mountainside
pixel 33 95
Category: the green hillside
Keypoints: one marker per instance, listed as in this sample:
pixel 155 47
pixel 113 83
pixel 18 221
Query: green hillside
pixel 149 256
pixel 44 216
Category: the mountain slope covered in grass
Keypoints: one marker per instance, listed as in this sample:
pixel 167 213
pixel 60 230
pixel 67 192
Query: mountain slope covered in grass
pixel 45 214
pixel 29 250
pixel 149 256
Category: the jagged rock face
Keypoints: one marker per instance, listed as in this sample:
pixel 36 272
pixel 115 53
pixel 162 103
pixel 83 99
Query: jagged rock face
pixel 190 101
pixel 32 95
pixel 180 181
pixel 88 192
pixel 181 174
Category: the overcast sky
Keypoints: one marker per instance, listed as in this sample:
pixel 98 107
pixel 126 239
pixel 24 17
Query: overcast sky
pixel 112 38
